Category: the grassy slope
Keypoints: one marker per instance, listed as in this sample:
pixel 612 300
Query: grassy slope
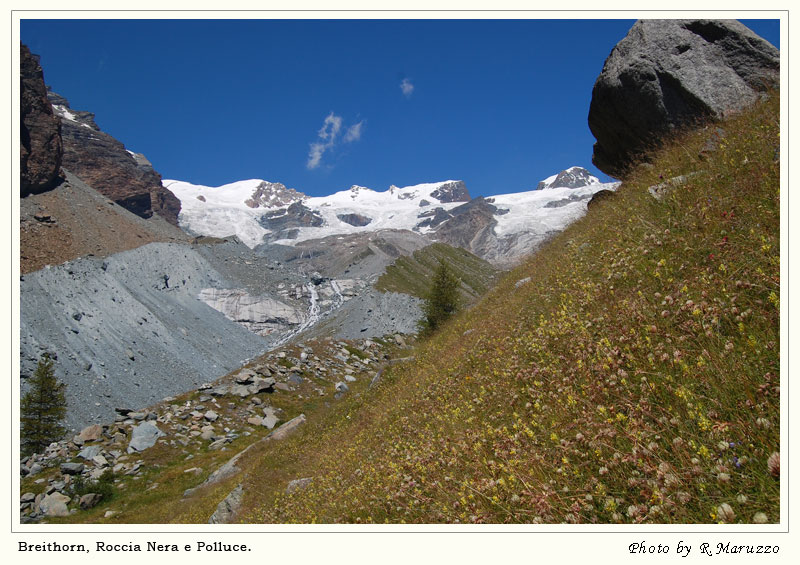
pixel 412 274
pixel 635 378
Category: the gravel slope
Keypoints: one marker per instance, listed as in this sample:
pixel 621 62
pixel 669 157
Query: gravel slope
pixel 122 335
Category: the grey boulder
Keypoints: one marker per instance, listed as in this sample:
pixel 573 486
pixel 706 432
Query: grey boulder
pixel 89 452
pixel 144 436
pixel 54 504
pixel 90 500
pixel 72 468
pixel 666 74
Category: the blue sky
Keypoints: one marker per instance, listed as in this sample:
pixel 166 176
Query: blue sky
pixel 321 105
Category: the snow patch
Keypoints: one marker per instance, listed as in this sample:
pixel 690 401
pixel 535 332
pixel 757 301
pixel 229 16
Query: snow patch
pixel 64 112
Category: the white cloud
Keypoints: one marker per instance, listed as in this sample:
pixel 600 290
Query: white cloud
pixel 330 127
pixel 407 87
pixel 315 155
pixel 328 136
pixel 353 132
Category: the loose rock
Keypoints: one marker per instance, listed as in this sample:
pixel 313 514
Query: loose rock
pixel 143 437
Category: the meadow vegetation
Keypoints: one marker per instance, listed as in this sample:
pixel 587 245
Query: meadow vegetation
pixel 634 378
pixel 412 274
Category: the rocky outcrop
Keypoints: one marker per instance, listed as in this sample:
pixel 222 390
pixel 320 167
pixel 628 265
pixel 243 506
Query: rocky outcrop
pixel 259 314
pixel 285 221
pixel 433 218
pixel 357 220
pixel 271 194
pixel 226 510
pixel 454 191
pixel 103 163
pixel 41 147
pixel 666 74
pixel 470 226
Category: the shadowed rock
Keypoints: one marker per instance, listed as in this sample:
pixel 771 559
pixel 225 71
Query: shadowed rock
pixel 354 219
pixel 599 197
pixel 41 148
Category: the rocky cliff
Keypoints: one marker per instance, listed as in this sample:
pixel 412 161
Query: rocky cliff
pixel 666 74
pixel 103 163
pixel 41 148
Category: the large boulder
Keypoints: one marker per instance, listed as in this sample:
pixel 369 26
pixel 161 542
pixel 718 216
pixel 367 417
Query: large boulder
pixel 41 148
pixel 144 436
pixel 55 504
pixel 666 74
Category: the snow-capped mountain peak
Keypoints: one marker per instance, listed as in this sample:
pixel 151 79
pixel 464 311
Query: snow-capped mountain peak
pixel 259 211
pixel 355 190
pixel 574 177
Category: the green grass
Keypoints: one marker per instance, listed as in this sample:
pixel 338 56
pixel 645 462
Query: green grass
pixel 413 274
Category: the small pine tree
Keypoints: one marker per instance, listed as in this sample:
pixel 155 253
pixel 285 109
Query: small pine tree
pixel 42 408
pixel 442 300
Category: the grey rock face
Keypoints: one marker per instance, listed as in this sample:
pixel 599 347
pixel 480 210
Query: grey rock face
pixel 259 314
pixel 178 341
pixel 283 220
pixel 670 73
pixel 471 226
pixel 455 191
pixel 433 218
pixel 269 194
pixel 354 219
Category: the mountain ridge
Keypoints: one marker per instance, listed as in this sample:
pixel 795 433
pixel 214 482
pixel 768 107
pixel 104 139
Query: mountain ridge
pixel 503 227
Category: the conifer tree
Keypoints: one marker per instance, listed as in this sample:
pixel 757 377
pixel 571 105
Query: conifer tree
pixel 442 300
pixel 42 408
